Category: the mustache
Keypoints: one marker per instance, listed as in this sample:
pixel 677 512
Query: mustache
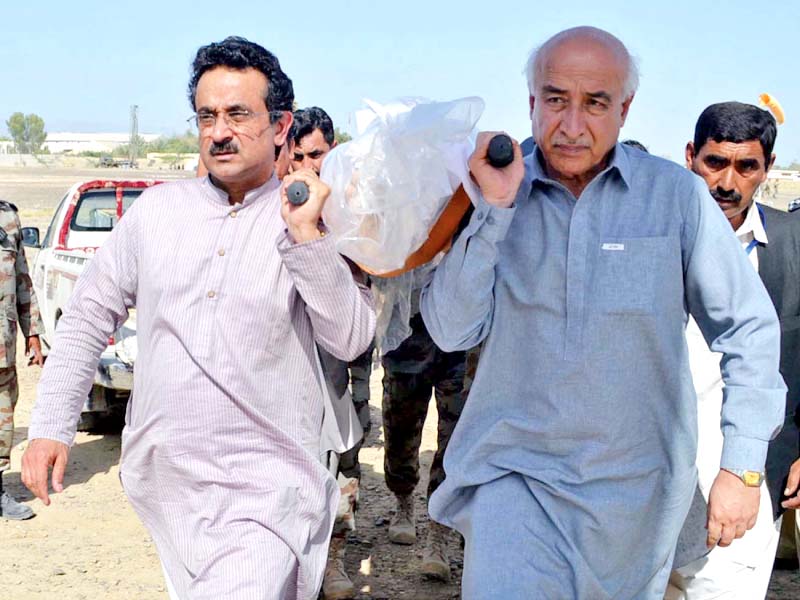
pixel 725 195
pixel 563 141
pixel 227 147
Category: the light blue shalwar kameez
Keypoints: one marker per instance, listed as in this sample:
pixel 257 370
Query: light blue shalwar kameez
pixel 573 464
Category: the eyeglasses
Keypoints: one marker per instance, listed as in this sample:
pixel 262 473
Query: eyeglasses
pixel 235 119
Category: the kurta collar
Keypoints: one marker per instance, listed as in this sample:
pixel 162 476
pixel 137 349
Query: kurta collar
pixel 221 196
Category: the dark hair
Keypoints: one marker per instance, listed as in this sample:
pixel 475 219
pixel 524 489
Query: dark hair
pixel 238 53
pixel 736 122
pixel 306 120
pixel 635 144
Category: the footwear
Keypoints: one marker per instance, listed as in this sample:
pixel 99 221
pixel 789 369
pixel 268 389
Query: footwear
pixel 336 585
pixel 402 529
pixel 13 510
pixel 435 564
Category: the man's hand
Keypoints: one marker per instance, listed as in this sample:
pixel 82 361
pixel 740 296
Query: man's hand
pixel 793 498
pixel 498 186
pixel 303 221
pixel 33 348
pixel 732 509
pixel 40 455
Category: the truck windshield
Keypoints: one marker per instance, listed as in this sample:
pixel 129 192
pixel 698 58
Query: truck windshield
pixel 96 210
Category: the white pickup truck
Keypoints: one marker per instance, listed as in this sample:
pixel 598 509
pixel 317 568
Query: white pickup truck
pixel 82 222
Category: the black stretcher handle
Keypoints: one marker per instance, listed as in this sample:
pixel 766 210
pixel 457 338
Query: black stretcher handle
pixel 501 151
pixel 297 192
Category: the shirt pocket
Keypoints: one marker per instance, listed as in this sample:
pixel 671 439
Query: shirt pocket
pixel 627 274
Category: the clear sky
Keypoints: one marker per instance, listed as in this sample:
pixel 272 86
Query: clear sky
pixel 80 64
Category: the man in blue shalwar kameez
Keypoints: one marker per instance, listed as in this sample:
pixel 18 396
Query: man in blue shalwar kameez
pixel 572 467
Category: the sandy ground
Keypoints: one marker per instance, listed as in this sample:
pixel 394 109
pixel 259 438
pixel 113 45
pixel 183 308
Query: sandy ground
pixel 89 544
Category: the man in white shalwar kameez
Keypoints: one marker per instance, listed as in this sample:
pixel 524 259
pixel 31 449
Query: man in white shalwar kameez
pixel 233 287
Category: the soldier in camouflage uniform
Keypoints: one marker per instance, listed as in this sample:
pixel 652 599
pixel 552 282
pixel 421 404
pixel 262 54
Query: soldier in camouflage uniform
pixel 17 305
pixel 410 373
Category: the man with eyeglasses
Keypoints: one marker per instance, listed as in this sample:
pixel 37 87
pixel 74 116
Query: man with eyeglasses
pixel 233 288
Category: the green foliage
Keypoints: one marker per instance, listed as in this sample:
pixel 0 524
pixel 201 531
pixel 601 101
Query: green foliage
pixel 341 136
pixel 124 151
pixel 176 144
pixel 27 131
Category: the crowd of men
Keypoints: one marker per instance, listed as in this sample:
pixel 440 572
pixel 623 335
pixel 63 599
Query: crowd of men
pixel 609 339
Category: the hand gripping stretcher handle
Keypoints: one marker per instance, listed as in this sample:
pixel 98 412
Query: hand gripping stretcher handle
pixel 500 154
pixel 501 151
pixel 297 193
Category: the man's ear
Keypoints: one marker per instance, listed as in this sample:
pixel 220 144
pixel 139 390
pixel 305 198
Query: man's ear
pixel 334 144
pixel 771 162
pixel 625 106
pixel 767 168
pixel 282 127
pixel 531 102
pixel 689 155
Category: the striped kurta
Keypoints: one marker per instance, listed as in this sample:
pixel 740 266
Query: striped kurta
pixel 221 443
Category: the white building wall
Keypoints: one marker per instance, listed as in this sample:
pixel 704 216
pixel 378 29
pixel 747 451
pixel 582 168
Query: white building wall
pixel 90 142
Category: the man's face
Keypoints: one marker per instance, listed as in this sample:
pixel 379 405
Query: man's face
pixel 309 152
pixel 241 150
pixel 732 172
pixel 578 110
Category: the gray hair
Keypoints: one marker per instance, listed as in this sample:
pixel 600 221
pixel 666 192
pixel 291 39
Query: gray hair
pixel 534 64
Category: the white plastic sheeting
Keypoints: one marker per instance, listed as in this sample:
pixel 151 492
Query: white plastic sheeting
pixel 388 187
pixel 392 181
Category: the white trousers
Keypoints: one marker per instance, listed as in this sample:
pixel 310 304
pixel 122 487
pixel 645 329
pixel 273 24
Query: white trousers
pixel 722 575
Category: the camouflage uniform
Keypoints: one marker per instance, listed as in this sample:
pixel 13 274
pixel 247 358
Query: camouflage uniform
pixel 410 372
pixel 17 305
pixel 473 355
pixel 360 370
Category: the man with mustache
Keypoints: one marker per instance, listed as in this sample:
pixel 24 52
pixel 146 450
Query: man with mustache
pixel 572 465
pixel 234 287
pixel 732 152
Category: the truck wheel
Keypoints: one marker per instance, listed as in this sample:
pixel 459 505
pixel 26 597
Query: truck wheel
pixel 109 413
pixel 90 422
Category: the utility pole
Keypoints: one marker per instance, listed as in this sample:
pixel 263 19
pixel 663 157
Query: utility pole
pixel 133 142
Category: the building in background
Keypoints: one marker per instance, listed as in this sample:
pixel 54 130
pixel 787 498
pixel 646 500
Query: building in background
pixel 66 142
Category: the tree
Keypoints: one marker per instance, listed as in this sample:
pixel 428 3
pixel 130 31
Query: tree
pixel 27 131
pixel 176 144
pixel 341 136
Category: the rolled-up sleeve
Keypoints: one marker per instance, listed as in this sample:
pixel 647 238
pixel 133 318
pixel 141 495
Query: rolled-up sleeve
pixel 733 310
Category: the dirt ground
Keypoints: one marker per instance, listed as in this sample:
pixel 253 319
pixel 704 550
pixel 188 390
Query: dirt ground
pixel 89 544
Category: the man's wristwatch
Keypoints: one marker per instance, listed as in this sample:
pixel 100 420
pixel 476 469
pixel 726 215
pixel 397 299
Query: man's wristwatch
pixel 749 478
